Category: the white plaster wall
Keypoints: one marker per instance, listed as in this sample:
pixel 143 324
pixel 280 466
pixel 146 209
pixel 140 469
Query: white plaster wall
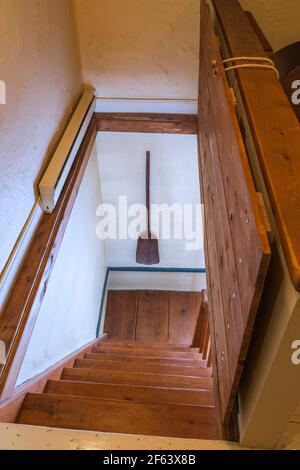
pixel 140 48
pixel 174 180
pixel 69 313
pixel 279 19
pixel 40 63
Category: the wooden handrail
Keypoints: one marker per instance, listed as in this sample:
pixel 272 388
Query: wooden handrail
pixel 20 312
pixel 274 127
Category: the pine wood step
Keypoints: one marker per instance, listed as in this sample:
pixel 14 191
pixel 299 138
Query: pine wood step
pixel 148 352
pixel 131 392
pixel 147 343
pixel 147 359
pixel 142 367
pixel 146 346
pixel 119 416
pixel 136 378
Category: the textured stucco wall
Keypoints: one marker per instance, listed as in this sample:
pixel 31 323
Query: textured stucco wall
pixel 140 48
pixel 69 314
pixel 279 19
pixel 40 63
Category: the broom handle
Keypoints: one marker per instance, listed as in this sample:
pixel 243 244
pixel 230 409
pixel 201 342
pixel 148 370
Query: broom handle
pixel 148 192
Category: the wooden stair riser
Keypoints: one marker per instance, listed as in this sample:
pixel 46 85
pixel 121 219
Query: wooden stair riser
pixel 135 378
pixel 118 416
pixel 141 367
pixel 147 360
pixel 134 388
pixel 131 393
pixel 147 347
pixel 149 352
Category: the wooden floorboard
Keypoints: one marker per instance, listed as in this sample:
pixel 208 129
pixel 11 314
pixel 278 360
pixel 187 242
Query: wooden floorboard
pixel 184 309
pixel 152 319
pixel 160 317
pixel 121 312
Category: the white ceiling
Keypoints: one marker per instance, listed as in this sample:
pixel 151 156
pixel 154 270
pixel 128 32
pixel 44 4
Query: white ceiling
pixel 174 179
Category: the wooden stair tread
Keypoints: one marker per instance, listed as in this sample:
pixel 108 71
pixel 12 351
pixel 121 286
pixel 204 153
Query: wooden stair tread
pixel 119 416
pixel 148 352
pixel 147 359
pixel 136 378
pixel 131 392
pixel 147 343
pixel 142 367
pixel 146 346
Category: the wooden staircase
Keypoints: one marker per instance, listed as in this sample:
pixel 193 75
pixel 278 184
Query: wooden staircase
pixel 130 387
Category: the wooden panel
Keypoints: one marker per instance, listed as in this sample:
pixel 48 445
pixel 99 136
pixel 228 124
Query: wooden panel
pixel 130 392
pixel 121 314
pixel 153 316
pixel 142 367
pixel 246 228
pixel 184 310
pixel 20 312
pixel 202 324
pixel 237 247
pixel 163 318
pixel 136 378
pixel 148 123
pixel 274 126
pixel 225 259
pixel 108 416
pixel 221 368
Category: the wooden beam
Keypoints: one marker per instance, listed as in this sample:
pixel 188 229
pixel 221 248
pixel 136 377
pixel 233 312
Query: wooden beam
pixel 274 127
pixel 148 123
pixel 21 310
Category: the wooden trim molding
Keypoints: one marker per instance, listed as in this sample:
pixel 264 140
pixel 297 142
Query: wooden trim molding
pixel 10 408
pixel 148 123
pixel 21 310
pixel 274 127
